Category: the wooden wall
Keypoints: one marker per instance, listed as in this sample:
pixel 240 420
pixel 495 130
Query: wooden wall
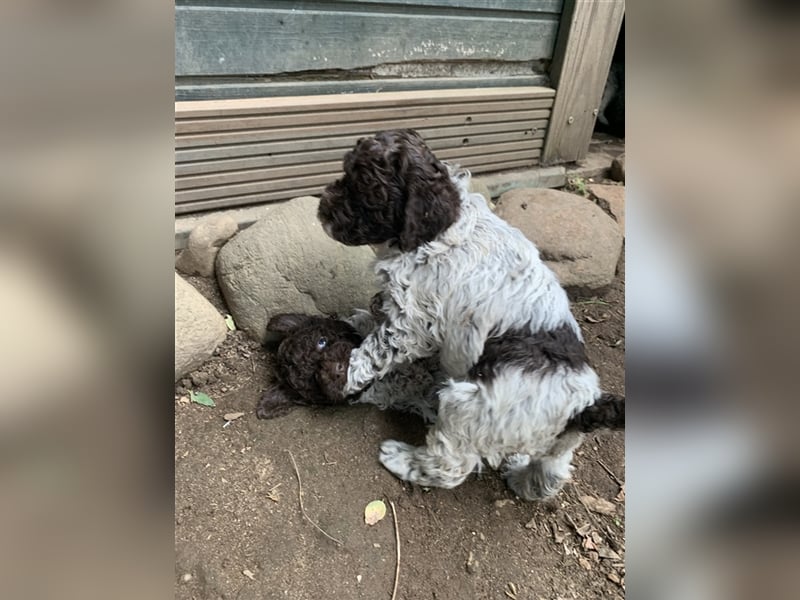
pixel 251 48
pixel 240 152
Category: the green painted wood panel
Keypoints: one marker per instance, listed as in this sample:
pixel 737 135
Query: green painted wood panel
pixel 267 38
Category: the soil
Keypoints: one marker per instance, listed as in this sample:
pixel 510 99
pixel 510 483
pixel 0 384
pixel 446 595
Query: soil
pixel 240 533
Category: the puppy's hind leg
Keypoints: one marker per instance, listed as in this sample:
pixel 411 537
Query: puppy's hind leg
pixel 445 461
pixel 544 477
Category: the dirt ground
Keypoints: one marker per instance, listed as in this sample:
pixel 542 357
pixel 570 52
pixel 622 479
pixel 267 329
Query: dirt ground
pixel 240 533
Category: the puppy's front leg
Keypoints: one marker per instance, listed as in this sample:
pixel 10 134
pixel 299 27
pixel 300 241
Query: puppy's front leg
pixel 388 346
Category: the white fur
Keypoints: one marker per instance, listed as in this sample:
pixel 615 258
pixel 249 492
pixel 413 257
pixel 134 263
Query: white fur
pixel 479 278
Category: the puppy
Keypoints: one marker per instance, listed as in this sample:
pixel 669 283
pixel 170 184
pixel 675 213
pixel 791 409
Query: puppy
pixel 460 282
pixel 311 369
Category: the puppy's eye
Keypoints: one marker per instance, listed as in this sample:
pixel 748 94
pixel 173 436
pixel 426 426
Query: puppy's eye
pixel 321 343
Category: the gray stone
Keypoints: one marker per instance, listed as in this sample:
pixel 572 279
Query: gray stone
pixel 244 217
pixel 544 177
pixel 596 165
pixel 199 328
pixel 285 263
pixel 477 186
pixel 576 239
pixel 203 244
pixel 612 199
pixel 618 168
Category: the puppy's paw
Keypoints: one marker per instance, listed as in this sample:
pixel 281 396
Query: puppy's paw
pixel 398 457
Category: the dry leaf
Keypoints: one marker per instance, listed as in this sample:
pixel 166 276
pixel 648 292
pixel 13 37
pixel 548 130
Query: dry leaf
pixel 612 576
pixel 531 524
pixel 374 512
pixel 502 503
pixel 233 416
pixel 585 563
pixel 558 536
pixel 621 496
pixel 608 553
pixel 598 505
pixel 583 530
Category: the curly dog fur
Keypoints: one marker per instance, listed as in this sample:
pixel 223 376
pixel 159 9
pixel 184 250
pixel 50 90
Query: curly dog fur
pixel 460 283
pixel 311 369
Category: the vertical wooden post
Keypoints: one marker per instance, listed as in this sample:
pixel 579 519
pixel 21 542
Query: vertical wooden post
pixel 581 61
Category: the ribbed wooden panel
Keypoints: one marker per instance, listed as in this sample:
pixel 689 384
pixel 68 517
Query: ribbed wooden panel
pixel 240 152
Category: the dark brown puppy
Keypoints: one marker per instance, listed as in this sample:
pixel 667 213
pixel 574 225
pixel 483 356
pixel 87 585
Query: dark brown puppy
pixel 311 363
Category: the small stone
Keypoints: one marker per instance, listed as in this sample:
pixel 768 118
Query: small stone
pixel 199 379
pixel 183 400
pixel 617 172
pixel 203 244
pixel 187 577
pixel 503 502
pixel 472 564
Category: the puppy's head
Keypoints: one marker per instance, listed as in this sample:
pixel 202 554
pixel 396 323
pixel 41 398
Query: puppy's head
pixel 311 362
pixel 393 190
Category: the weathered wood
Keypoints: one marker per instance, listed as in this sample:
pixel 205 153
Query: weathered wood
pixel 219 203
pixel 580 67
pixel 336 154
pixel 552 6
pixel 365 128
pixel 262 40
pixel 248 151
pixel 212 88
pixel 286 105
pixel 343 116
pixel 216 178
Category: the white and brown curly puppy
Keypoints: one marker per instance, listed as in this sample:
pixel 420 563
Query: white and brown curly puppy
pixel 461 282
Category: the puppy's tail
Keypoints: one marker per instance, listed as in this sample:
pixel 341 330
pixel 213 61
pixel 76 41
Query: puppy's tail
pixel 608 412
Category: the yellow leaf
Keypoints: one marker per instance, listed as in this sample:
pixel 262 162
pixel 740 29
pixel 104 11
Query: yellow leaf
pixel 374 512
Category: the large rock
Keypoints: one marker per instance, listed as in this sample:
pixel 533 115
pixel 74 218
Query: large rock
pixel 199 328
pixel 579 241
pixel 285 263
pixel 612 199
pixel 203 244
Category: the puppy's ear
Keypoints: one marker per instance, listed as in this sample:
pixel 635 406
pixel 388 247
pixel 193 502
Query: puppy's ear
pixel 432 202
pixel 287 322
pixel 275 402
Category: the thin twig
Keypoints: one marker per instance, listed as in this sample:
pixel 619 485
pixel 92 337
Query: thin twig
pixel 303 508
pixel 610 472
pixel 397 539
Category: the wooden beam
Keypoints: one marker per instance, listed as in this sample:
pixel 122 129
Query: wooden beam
pixel 581 61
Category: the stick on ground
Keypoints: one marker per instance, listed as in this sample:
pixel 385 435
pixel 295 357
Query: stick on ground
pixel 397 539
pixel 303 508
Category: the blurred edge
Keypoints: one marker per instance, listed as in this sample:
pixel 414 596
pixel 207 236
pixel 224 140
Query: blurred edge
pixel 86 254
pixel 712 155
pixel 86 187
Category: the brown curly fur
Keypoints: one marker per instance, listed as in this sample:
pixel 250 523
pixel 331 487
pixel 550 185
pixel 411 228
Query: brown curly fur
pixel 393 190
pixel 608 412
pixel 305 372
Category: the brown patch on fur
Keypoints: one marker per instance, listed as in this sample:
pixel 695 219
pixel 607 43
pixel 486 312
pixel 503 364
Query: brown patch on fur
pixel 394 190
pixel 530 351
pixel 608 412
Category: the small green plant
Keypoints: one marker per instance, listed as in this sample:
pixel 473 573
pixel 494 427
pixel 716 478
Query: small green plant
pixel 578 186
